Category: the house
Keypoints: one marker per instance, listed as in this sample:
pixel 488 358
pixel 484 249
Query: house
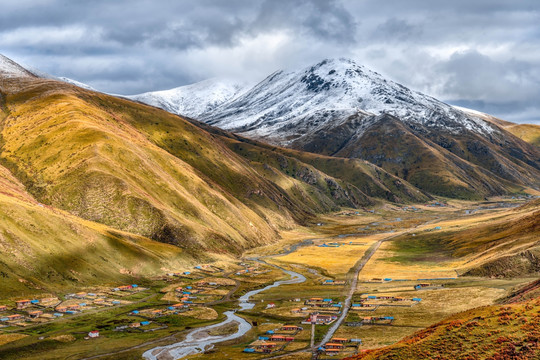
pixel 144 323
pixel 61 309
pixel 277 338
pixel 135 325
pixel 416 299
pixel 21 304
pixel 333 346
pixel 249 350
pixel 3 307
pixel 35 314
pixel 125 287
pixel 339 340
pixel 320 319
pixel 81 295
pixel 74 307
pixel 296 311
pixel 14 317
pixel 93 334
pixel 270 306
pixel 135 312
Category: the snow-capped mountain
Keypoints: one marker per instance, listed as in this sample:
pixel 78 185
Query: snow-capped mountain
pixel 195 99
pixel 281 106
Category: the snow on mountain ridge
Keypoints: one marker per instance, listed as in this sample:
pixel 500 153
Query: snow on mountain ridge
pixel 195 99
pixel 284 100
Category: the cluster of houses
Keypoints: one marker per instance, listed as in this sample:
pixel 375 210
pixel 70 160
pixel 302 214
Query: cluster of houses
pixel 337 345
pixel 250 270
pixel 322 310
pixel 49 308
pixel 274 340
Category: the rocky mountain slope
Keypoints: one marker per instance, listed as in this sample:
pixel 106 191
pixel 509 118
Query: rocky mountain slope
pixel 339 108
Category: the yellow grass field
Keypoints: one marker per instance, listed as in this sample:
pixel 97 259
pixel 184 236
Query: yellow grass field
pixel 336 260
pixel 201 313
pixel 7 338
pixel 379 267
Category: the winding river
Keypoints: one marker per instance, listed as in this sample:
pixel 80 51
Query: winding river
pixel 200 340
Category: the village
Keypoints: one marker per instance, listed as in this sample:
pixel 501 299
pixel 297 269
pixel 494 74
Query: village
pixel 391 298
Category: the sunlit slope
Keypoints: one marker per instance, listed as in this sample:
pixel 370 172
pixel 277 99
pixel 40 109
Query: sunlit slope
pixel 145 171
pixel 73 152
pixel 528 132
pixel 493 332
pixel 503 244
pixel 42 248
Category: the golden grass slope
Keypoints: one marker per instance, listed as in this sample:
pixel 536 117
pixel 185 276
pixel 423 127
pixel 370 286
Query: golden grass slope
pixel 43 248
pixel 528 132
pixel 141 170
pixel 492 332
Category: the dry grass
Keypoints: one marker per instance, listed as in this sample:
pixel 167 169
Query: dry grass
pixel 201 313
pixel 336 260
pixel 7 338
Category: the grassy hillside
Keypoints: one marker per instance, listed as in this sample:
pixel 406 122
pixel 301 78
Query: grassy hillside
pixel 527 132
pixel 493 332
pixel 45 249
pixel 505 245
pixel 370 179
pixel 142 170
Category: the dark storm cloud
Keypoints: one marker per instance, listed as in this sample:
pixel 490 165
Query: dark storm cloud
pixel 481 53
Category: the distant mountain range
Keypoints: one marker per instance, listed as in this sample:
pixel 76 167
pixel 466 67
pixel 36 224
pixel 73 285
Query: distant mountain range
pixel 339 108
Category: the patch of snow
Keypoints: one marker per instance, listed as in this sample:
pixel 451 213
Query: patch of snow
pixel 195 99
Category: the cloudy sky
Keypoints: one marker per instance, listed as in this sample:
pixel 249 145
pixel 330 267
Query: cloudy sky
pixel 483 54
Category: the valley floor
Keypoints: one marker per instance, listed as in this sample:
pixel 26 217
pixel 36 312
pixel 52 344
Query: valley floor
pixel 373 276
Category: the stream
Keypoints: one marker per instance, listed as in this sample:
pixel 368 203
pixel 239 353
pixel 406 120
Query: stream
pixel 199 340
